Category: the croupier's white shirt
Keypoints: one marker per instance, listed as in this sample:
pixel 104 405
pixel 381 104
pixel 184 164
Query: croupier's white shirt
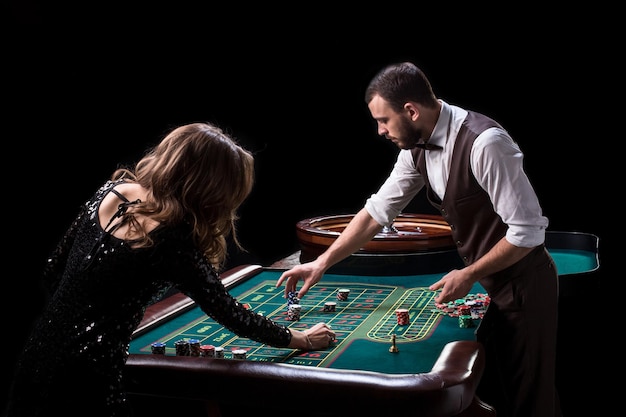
pixel 497 164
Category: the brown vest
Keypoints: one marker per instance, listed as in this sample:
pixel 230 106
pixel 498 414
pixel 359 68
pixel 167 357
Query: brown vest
pixel 467 208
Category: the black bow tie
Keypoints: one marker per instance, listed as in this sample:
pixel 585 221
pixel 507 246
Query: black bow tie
pixel 428 146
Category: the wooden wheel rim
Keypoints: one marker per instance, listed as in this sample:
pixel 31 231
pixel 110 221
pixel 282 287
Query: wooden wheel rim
pixel 409 233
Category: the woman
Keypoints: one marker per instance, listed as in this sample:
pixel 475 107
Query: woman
pixel 162 224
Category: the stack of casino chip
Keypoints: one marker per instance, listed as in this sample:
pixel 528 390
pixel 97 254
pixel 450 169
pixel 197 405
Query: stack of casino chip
pixel 182 347
pixel 219 352
pixel 292 298
pixel 478 304
pixel 293 312
pixel 330 306
pixel 194 347
pixel 207 351
pixel 465 316
pixel 239 354
pixel 293 306
pixel 342 294
pixel 465 321
pixel 158 348
pixel 402 316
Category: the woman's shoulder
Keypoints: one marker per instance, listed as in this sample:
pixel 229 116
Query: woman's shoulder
pixel 110 201
pixel 130 190
pixel 118 193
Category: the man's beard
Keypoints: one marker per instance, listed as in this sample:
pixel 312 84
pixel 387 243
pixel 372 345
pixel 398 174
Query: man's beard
pixel 409 135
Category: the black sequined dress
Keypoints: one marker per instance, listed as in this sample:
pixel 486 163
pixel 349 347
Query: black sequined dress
pixel 99 288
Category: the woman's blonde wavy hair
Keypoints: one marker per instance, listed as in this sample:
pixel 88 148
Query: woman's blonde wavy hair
pixel 196 174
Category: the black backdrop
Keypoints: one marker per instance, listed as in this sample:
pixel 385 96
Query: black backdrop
pixel 89 88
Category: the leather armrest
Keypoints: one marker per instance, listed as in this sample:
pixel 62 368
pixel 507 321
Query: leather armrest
pixel 447 390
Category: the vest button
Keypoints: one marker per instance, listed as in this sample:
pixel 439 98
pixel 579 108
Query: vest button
pixel 459 243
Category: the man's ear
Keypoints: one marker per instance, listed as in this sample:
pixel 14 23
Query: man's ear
pixel 412 110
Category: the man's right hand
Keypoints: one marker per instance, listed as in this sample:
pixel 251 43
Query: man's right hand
pixel 310 273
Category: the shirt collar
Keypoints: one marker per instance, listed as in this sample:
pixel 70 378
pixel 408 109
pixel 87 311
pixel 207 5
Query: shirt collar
pixel 440 132
pixel 448 124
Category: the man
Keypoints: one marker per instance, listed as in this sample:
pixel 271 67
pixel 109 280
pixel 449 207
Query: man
pixel 473 173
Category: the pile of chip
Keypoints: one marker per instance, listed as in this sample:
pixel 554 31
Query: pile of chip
pixel 473 305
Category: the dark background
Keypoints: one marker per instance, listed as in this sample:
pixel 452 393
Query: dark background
pixel 87 88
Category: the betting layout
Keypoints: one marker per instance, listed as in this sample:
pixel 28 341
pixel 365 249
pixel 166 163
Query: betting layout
pixel 359 311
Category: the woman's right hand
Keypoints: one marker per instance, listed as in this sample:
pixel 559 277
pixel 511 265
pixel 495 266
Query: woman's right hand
pixel 317 337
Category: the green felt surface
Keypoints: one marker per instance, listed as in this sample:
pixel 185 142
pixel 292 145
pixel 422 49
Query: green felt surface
pixel 570 261
pixel 365 323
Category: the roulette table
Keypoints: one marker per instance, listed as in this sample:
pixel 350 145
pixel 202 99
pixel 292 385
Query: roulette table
pixel 434 371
